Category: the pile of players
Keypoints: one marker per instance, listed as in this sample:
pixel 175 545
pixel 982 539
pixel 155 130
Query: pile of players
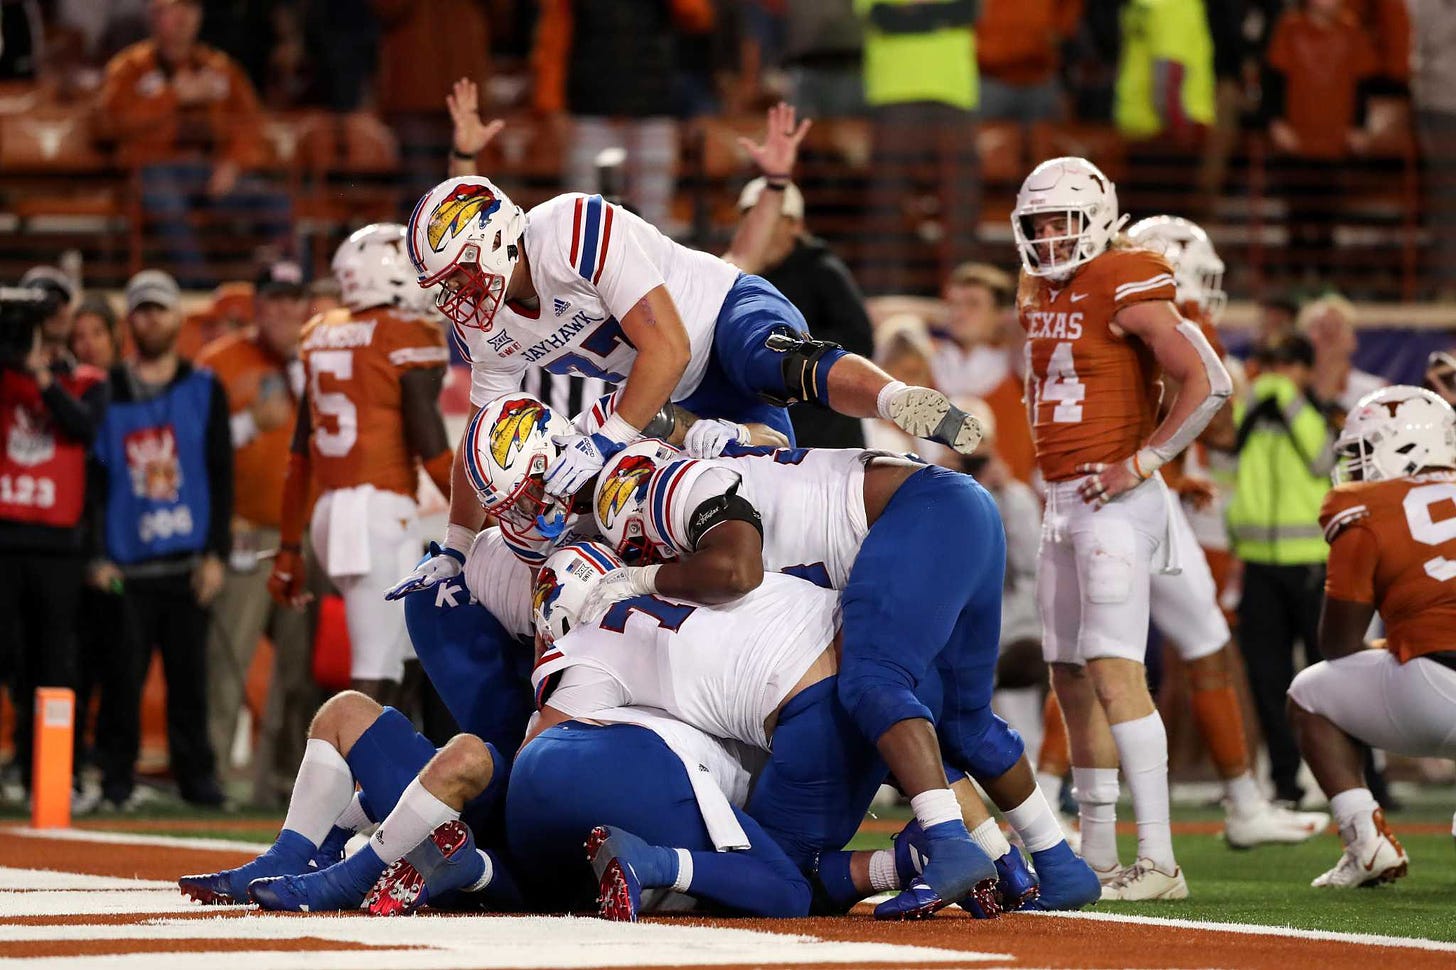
pixel 689 654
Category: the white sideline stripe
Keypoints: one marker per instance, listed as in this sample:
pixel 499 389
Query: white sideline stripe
pixel 1254 929
pixel 47 880
pixel 83 903
pixel 136 838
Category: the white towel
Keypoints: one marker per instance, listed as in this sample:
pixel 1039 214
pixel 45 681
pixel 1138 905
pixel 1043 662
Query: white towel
pixel 348 531
pixel 1172 554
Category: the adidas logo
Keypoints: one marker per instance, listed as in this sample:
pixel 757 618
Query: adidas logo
pixel 560 306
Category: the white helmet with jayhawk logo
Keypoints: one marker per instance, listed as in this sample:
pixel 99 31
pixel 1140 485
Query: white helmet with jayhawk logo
pixel 465 234
pixel 1394 432
pixel 620 502
pixel 1073 187
pixel 563 584
pixel 1197 268
pixel 373 271
pixel 507 451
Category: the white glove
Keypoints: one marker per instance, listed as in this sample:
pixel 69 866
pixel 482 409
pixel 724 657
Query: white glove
pixel 582 456
pixel 709 436
pixel 443 564
pixel 619 584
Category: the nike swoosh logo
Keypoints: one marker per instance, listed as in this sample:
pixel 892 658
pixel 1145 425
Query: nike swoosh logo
pixel 1078 297
pixel 1369 866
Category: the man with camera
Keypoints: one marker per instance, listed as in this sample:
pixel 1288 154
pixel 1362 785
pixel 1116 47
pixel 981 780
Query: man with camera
pixel 50 408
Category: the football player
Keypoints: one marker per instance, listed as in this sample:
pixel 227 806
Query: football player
pixel 1101 325
pixel 1184 606
pixel 1393 552
pixel 370 413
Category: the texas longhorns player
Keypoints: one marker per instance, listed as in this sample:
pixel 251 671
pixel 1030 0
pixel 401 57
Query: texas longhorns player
pixel 1392 533
pixel 1101 325
pixel 374 369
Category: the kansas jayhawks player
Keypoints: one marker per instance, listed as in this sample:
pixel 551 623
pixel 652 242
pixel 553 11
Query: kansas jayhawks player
pixel 579 285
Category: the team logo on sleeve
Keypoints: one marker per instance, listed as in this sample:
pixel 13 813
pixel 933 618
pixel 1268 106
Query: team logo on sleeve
pixel 455 212
pixel 630 476
pixel 545 591
pixel 513 427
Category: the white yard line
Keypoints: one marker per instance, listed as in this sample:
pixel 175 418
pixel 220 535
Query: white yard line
pixel 140 838
pixel 1255 929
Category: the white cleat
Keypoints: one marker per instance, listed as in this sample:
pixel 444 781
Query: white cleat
pixel 1109 875
pixel 1271 823
pixel 924 412
pixel 1143 881
pixel 1367 862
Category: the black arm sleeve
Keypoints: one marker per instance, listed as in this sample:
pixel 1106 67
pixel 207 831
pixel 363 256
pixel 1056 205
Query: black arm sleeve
pixel 302 428
pixel 923 17
pixel 843 303
pixel 424 427
pixel 219 474
pixel 76 419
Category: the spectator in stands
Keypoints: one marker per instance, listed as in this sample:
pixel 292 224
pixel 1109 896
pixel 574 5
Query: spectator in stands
pixel 166 456
pixel 1278 316
pixel 824 54
pixel 611 68
pixel 1329 324
pixel 423 48
pixel 977 354
pixel 50 407
pixel 324 295
pixel 263 379
pixel 1318 60
pixel 1286 451
pixel 229 311
pixel 1441 375
pixel 1434 91
pixel 815 280
pixel 95 339
pixel 1165 72
pixel 23 30
pixel 186 115
pixel 1019 50
pixel 922 88
pixel 106 27
pixel 1388 25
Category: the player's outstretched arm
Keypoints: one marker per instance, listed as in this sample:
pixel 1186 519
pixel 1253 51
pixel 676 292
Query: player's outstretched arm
pixel 775 157
pixel 471 134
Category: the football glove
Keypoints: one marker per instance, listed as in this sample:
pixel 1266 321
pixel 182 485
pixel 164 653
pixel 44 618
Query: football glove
pixel 709 436
pixel 442 564
pixel 582 456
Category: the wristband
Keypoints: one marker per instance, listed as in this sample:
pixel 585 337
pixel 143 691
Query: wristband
pixel 618 429
pixel 1146 462
pixel 462 156
pixel 644 579
pixel 458 537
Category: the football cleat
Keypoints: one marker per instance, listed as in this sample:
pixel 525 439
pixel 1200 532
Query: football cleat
pixel 938 866
pixel 1016 885
pixel 1143 881
pixel 445 862
pixel 1270 823
pixel 290 855
pixel 924 412
pixel 326 890
pixel 1105 876
pixel 1369 861
pixel 619 898
pixel 1067 882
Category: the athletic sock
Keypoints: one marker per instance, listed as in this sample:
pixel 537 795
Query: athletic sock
pixel 1050 786
pixel 1244 795
pixel 1095 790
pixel 887 393
pixel 934 807
pixel 1142 746
pixel 1221 723
pixel 883 875
pixel 322 791
pixel 1353 810
pixel 988 839
pixel 1035 822
pixel 355 817
pixel 415 816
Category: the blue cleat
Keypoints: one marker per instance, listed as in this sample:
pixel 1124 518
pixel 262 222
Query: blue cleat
pixel 332 850
pixel 288 856
pixel 624 865
pixel 342 886
pixel 1016 888
pixel 445 862
pixel 1066 881
pixel 952 867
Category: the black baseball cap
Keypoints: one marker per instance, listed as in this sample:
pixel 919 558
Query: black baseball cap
pixel 283 278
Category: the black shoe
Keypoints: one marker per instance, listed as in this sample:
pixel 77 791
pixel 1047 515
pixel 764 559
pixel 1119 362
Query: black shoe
pixel 204 793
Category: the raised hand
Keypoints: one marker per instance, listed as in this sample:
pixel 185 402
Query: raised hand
pixel 779 152
pixel 471 134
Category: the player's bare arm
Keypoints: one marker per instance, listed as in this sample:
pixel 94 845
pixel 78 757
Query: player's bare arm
pixel 727 564
pixel 286 582
pixel 775 158
pixel 471 134
pixel 656 329
pixel 1342 627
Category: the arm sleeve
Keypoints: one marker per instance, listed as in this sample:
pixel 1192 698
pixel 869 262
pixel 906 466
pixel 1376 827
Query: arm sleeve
pixel 607 250
pixel 583 691
pixel 219 474
pixel 1351 573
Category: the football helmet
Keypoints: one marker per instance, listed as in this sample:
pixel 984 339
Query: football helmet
pixel 507 450
pixel 620 502
pixel 1197 269
pixel 1076 189
pixel 464 237
pixel 373 271
pixel 1393 432
pixel 563 585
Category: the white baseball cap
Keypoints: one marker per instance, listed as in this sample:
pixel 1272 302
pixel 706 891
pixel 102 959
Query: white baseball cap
pixel 793 206
pixel 152 286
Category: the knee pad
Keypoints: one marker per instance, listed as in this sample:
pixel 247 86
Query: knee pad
pixel 805 367
pixel 386 758
pixel 982 743
pixel 875 705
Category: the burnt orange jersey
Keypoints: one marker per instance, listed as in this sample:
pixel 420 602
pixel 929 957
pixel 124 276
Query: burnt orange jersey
pixel 1094 393
pixel 1393 544
pixel 353 363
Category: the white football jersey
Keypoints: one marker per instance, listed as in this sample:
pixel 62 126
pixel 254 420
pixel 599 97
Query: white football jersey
pixel 500 582
pixel 721 669
pixel 811 501
pixel 591 262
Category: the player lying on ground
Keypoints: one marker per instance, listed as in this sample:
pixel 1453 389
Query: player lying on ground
pixel 1392 551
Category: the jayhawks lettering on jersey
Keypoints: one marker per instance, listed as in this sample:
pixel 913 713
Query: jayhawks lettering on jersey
pixel 722 669
pixel 591 262
pixel 811 500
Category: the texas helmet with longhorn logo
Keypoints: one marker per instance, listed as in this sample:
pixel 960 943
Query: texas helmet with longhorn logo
pixel 563 584
pixel 1197 268
pixel 507 451
pixel 465 237
pixel 1078 205
pixel 373 271
pixel 1394 432
pixel 620 502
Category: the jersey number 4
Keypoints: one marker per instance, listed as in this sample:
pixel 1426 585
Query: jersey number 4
pixel 1062 386
pixel 1424 528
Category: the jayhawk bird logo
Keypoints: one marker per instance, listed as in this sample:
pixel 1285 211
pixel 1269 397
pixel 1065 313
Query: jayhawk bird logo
pixel 453 214
pixel 632 474
pixel 513 427
pixel 545 591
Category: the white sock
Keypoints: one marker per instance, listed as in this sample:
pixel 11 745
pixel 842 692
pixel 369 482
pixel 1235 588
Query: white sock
pixel 1352 811
pixel 1142 746
pixel 321 791
pixel 684 878
pixel 1035 822
pixel 1243 793
pixel 415 816
pixel 1095 790
pixel 883 875
pixel 882 400
pixel 354 817
pixel 1050 785
pixel 935 806
pixel 988 837
pixel 485 877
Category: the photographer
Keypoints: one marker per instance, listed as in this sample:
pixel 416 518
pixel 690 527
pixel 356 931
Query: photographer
pixel 50 409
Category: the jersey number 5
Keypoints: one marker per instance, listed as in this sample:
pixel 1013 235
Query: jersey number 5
pixel 1062 386
pixel 1425 529
pixel 338 364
